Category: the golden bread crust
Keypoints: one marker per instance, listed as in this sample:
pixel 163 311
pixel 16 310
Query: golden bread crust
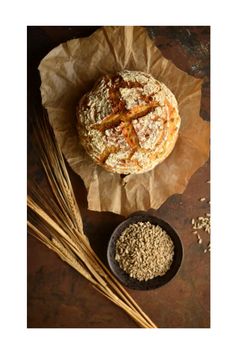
pixel 129 122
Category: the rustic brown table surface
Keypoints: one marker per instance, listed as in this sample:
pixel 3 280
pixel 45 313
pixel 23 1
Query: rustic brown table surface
pixel 57 295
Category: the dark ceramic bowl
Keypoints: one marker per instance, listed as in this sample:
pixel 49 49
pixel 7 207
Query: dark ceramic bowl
pixel 157 281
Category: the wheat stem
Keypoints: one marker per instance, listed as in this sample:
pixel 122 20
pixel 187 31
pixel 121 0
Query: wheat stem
pixel 57 223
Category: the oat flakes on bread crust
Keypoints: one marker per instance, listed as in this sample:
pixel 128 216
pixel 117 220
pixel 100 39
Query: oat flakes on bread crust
pixel 129 122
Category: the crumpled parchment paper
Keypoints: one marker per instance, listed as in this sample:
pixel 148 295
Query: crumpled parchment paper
pixel 71 69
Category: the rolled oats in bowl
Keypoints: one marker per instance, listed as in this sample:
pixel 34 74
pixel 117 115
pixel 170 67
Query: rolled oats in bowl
pixel 144 252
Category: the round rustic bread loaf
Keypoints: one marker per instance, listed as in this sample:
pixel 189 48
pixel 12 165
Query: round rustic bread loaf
pixel 128 122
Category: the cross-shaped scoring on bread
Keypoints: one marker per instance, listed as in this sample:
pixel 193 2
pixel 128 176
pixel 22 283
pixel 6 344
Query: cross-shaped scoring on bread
pixel 129 122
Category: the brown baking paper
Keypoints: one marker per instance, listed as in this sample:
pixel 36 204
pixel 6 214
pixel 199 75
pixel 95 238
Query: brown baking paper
pixel 71 69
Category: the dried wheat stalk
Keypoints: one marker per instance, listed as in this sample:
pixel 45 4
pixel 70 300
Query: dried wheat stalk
pixel 57 223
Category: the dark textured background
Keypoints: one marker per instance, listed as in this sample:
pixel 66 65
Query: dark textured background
pixel 57 295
